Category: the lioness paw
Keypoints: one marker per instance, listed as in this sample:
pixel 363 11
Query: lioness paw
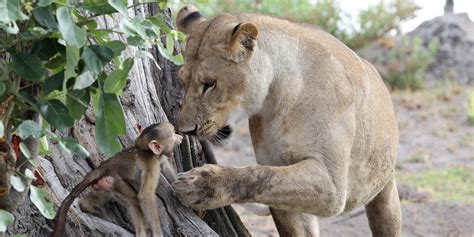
pixel 203 187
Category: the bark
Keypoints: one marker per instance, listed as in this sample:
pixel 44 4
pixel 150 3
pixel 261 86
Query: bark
pixel 151 96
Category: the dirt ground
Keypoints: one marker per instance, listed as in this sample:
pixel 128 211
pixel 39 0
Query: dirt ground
pixel 435 136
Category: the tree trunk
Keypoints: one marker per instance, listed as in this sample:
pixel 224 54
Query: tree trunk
pixel 151 96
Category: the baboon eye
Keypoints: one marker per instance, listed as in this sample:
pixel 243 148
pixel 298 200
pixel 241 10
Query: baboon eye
pixel 208 85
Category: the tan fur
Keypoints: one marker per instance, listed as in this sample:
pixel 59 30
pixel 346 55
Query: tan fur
pixel 321 120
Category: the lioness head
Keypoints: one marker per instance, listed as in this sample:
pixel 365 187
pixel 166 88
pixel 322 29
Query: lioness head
pixel 217 73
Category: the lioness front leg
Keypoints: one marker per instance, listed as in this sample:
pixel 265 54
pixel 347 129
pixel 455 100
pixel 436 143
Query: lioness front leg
pixel 306 186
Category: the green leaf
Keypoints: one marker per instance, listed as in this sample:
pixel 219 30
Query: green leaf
pixel 29 174
pixel 160 22
pixel 176 59
pixel 95 95
pixel 116 46
pixel 72 146
pixel 147 55
pixel 98 6
pixel 29 129
pixel 119 6
pixel 28 97
pixel 10 11
pixel 47 48
pixel 44 3
pixel 73 34
pixel 17 183
pixel 57 94
pixel 53 83
pixel 181 36
pixel 43 146
pixel 56 114
pixel 93 63
pixel 44 16
pixel 134 27
pixel 38 197
pixel 117 80
pixel 56 63
pixel 77 102
pixel 72 58
pixel 3 88
pixel 135 41
pixel 24 150
pixel 163 4
pixel 28 66
pixel 19 235
pixel 169 44
pixel 110 123
pixel 84 80
pixel 6 219
pixel 103 53
pixel 2 129
pixel 33 34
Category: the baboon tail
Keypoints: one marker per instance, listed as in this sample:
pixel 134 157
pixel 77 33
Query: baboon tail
pixel 90 179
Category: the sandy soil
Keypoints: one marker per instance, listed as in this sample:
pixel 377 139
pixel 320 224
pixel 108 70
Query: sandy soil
pixel 434 134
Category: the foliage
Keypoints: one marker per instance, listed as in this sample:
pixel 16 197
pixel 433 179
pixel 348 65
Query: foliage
pixel 38 197
pixel 56 61
pixel 470 109
pixel 380 20
pixel 6 219
pixel 403 64
pixel 374 22
pixel 453 184
pixel 403 67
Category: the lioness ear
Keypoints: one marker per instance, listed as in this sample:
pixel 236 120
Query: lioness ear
pixel 187 17
pixel 243 42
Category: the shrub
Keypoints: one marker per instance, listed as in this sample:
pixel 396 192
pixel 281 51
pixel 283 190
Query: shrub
pixel 470 109
pixel 376 21
pixel 403 65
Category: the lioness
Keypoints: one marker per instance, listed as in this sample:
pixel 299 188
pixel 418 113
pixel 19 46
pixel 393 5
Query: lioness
pixel 321 121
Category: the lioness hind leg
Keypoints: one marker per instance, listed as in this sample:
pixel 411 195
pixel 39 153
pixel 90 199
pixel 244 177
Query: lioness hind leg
pixel 384 213
pixel 292 224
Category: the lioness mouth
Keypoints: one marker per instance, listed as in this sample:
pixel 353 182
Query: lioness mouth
pixel 222 134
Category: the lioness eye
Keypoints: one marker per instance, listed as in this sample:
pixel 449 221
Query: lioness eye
pixel 208 85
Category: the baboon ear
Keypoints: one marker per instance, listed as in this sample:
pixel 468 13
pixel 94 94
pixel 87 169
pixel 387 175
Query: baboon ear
pixel 187 17
pixel 243 42
pixel 155 147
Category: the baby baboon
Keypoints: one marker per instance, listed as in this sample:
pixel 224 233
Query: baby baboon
pixel 138 163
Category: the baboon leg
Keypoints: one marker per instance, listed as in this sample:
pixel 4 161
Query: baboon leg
pixel 293 224
pixel 384 212
pixel 147 196
pixel 128 197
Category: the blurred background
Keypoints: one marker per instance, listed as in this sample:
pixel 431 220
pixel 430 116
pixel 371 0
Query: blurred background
pixel 424 50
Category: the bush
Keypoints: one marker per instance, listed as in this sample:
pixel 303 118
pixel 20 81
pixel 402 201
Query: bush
pixel 374 22
pixel 470 109
pixel 403 65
